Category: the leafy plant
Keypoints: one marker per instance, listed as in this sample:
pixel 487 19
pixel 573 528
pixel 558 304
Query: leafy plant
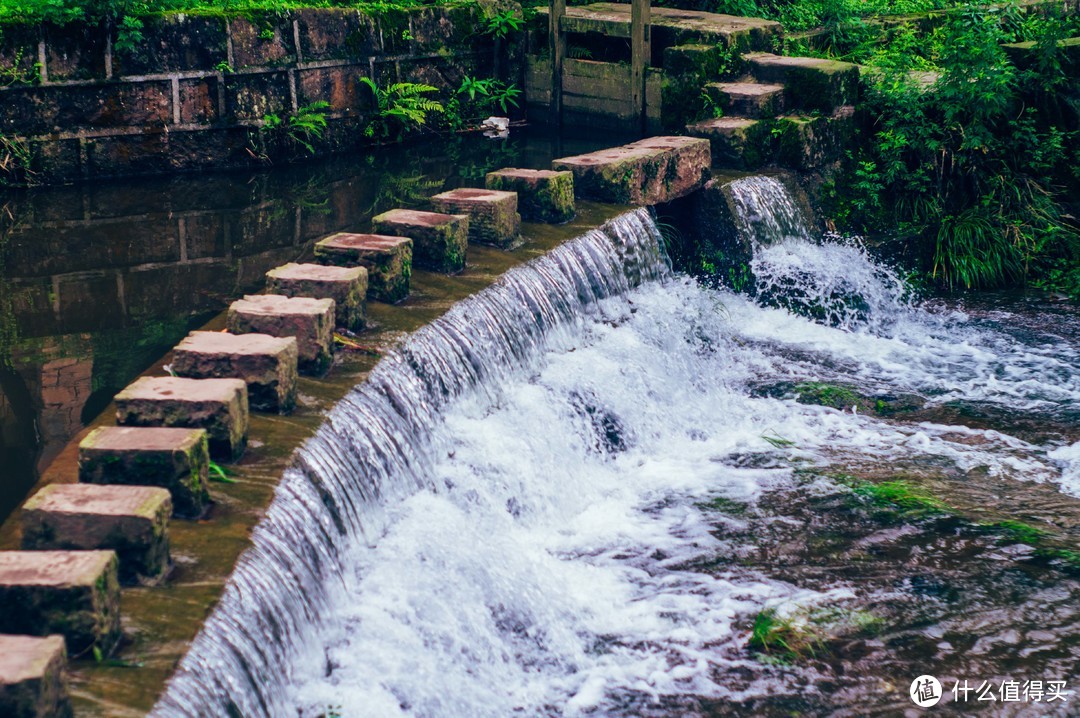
pixel 502 24
pixel 401 107
pixel 16 162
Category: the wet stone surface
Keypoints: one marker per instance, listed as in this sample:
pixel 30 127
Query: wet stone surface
pixel 220 406
pixel 73 593
pixel 347 286
pixel 387 259
pixel 33 683
pixel 267 364
pixel 492 214
pixel 310 321
pixel 440 241
pixel 172 458
pixel 543 195
pixel 133 521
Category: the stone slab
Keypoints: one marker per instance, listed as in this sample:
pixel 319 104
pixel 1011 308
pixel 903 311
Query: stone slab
pixel 73 593
pixel 810 83
pixel 174 459
pixel 133 521
pixel 440 241
pixel 646 172
pixel 493 215
pixel 33 683
pixel 543 195
pixel 218 405
pixel 729 139
pixel 388 261
pixel 747 99
pixel 347 286
pixel 267 364
pixel 311 321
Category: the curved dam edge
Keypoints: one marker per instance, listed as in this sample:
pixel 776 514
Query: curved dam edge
pixel 160 622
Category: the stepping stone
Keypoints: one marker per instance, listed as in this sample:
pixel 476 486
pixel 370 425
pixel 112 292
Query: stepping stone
pixel 439 240
pixel 218 405
pixel 646 172
pixel 133 521
pixel 388 261
pixel 543 195
pixel 73 593
pixel 732 141
pixel 33 683
pixel 311 321
pixel 810 83
pixel 172 459
pixel 493 215
pixel 267 364
pixel 747 99
pixel 347 286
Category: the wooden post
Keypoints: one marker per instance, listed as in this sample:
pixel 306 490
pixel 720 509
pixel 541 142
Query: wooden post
pixel 557 46
pixel 640 54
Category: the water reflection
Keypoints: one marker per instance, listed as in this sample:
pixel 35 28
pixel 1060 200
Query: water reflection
pixel 97 281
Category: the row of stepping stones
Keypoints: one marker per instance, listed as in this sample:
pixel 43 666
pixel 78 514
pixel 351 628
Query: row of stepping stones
pixel 82 541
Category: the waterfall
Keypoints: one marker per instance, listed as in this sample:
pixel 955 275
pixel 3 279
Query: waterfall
pixel 373 448
pixel 831 279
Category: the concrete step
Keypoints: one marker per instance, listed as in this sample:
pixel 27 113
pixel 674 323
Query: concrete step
pixel 175 459
pixel 493 214
pixel 267 364
pixel 810 83
pixel 543 195
pixel 220 406
pixel 387 259
pixel 729 139
pixel 646 172
pixel 747 99
pixel 310 321
pixel 133 521
pixel 347 286
pixel 73 593
pixel 440 239
pixel 33 680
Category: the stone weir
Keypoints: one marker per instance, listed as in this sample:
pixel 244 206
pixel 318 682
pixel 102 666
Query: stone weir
pixel 140 568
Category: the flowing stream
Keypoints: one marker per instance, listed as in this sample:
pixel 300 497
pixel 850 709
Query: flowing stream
pixel 577 492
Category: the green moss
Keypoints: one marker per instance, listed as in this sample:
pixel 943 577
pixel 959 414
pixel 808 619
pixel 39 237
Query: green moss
pixel 832 395
pixel 1019 531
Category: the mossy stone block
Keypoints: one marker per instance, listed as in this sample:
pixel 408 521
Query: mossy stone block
pixel 175 459
pixel 73 593
pixel 646 172
pixel 133 521
pixel 267 364
pixel 543 195
pixel 493 214
pixel 440 241
pixel 810 83
pixel 220 406
pixel 311 321
pixel 347 286
pixel 33 683
pixel 388 261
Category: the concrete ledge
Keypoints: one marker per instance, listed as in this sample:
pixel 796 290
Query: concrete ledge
pixel 33 683
pixel 388 261
pixel 810 83
pixel 347 286
pixel 267 364
pixel 646 172
pixel 218 405
pixel 440 241
pixel 311 321
pixel 133 521
pixel 729 138
pixel 543 195
pixel 73 593
pixel 747 99
pixel 173 459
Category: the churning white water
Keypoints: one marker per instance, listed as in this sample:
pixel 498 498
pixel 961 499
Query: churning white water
pixel 519 541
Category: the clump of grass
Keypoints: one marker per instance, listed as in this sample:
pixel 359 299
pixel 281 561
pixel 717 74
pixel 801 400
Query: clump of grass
pixel 777 441
pixel 220 474
pixel 784 639
pixel 1019 532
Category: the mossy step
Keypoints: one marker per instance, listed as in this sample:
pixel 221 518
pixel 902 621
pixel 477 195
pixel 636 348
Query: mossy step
pixel 728 138
pixel 310 320
pixel 387 259
pixel 347 286
pixel 543 195
pixel 33 683
pixel 267 364
pixel 810 83
pixel 440 239
pixel 747 99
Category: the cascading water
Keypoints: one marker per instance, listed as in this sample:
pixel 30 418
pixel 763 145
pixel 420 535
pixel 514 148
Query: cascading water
pixel 574 493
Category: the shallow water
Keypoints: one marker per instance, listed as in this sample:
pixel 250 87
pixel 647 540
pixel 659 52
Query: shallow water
pixel 598 532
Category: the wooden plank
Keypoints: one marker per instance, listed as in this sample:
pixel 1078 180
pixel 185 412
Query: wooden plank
pixel 640 50
pixel 557 46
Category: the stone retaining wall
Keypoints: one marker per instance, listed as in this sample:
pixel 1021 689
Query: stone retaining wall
pixel 190 95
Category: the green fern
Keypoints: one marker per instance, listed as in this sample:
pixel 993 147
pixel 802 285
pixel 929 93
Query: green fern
pixel 400 107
